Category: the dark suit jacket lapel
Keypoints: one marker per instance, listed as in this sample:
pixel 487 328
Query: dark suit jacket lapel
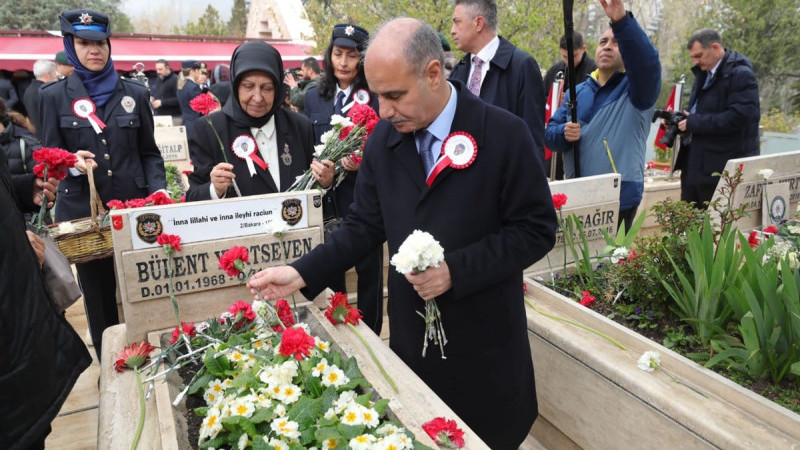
pixel 405 150
pixel 285 144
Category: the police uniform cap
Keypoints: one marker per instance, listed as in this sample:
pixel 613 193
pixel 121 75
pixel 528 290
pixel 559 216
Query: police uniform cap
pixel 349 35
pixel 191 64
pixel 86 24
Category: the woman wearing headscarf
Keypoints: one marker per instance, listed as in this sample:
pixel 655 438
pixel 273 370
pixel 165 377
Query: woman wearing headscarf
pixel 252 140
pixel 107 122
pixel 342 85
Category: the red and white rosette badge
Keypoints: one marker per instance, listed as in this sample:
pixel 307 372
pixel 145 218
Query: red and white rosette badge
pixel 245 148
pixel 83 108
pixel 360 96
pixel 460 151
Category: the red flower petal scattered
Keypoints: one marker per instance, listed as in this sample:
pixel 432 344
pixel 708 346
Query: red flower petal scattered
pixel 171 240
pixel 445 432
pixel 587 299
pixel 559 200
pixel 228 261
pixel 295 342
pixel 246 313
pixel 134 356
pixel 188 329
pixel 284 314
pixel 203 104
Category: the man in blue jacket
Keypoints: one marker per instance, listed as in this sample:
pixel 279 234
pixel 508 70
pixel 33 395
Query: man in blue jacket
pixel 615 105
pixel 723 116
pixel 495 70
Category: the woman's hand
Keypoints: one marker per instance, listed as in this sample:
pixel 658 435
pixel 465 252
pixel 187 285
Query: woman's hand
pixel 323 172
pixel 85 158
pixel 222 178
pixel 349 164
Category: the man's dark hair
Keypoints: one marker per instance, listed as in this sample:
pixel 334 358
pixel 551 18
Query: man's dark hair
pixel 312 63
pixel 577 40
pixel 484 8
pixel 163 61
pixel 705 37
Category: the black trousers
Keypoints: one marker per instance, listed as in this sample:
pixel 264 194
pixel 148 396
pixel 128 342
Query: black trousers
pixel 370 289
pixel 697 193
pixel 627 216
pixel 99 285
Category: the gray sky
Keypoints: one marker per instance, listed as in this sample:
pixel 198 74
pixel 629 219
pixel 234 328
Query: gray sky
pixel 187 10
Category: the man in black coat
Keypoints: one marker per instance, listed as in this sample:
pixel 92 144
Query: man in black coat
pixel 164 91
pixel 493 215
pixel 41 353
pixel 504 76
pixel 45 72
pixel 723 116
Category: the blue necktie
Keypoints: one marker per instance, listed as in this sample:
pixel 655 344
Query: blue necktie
pixel 337 109
pixel 425 148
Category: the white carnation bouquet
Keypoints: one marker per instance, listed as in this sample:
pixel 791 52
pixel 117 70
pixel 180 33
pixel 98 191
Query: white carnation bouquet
pixel 416 254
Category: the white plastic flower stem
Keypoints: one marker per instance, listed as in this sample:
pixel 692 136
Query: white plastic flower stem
pixel 572 322
pixel 677 380
pixel 286 261
pixel 168 250
pixel 374 358
pixel 552 276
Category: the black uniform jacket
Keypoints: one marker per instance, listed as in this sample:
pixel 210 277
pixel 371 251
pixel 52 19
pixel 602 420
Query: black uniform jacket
pixel 129 162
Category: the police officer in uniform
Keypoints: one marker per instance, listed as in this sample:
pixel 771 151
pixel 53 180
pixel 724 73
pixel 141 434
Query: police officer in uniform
pixel 106 121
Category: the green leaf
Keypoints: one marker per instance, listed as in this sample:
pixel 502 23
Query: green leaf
pixel 328 397
pixel 796 368
pixel 218 366
pixel 324 433
pixel 201 411
pixel 201 383
pixel 380 406
pixel 263 415
pixel 350 431
pixel 305 411
pixel 246 379
pixel 420 446
pixel 260 444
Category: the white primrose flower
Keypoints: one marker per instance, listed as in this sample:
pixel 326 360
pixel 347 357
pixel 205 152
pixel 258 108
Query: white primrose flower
pixel 242 444
pixel 794 229
pixel 320 368
pixel 352 415
pixel 392 441
pixel 287 393
pixel 330 443
pixel 286 428
pixel 334 376
pixel 277 227
pixel 766 173
pixel 369 416
pixel 276 444
pixel 236 356
pixel 387 429
pixel 330 414
pixel 242 407
pixel 211 425
pixel 324 346
pixel 262 401
pixel 418 252
pixel 280 410
pixel 212 397
pixel 362 442
pixel 649 361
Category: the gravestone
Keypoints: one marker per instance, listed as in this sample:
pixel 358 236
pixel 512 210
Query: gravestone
pixel 172 143
pixel 782 188
pixel 162 121
pixel 207 229
pixel 594 201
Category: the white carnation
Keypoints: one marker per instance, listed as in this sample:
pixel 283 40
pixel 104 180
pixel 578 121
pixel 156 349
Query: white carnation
pixel 342 121
pixel 418 252
pixel 649 361
pixel 326 136
pixel 765 173
pixel 277 227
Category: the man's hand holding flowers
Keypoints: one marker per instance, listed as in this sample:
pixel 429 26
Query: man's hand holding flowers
pixel 433 282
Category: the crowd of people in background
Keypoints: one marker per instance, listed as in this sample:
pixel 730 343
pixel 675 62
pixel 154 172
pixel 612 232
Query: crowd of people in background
pixel 411 77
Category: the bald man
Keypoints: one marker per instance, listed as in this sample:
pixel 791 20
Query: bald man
pixel 494 216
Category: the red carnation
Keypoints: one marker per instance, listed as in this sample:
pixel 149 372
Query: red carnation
pixel 188 329
pixel 246 311
pixel 284 314
pixel 587 299
pixel 204 104
pixel 169 239
pixel 135 203
pixel 363 114
pixel 232 261
pixel 356 157
pixel 344 132
pixel 559 200
pixel 772 229
pixel 340 311
pixel 295 342
pixel 56 160
pixel 444 432
pixel 158 198
pixel 116 204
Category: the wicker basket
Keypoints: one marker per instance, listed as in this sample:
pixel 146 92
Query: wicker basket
pixel 90 241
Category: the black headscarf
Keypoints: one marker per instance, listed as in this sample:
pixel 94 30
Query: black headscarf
pixel 254 56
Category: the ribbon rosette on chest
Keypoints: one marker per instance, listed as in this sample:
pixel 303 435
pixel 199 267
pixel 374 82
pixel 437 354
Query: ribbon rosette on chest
pixel 360 97
pixel 83 108
pixel 246 149
pixel 460 151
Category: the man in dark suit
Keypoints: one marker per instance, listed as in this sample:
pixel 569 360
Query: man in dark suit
pixel 494 69
pixel 126 161
pixel 45 72
pixel 164 91
pixel 493 216
pixel 723 115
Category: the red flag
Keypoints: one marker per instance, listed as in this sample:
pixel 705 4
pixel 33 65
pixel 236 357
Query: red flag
pixel 552 100
pixel 661 129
